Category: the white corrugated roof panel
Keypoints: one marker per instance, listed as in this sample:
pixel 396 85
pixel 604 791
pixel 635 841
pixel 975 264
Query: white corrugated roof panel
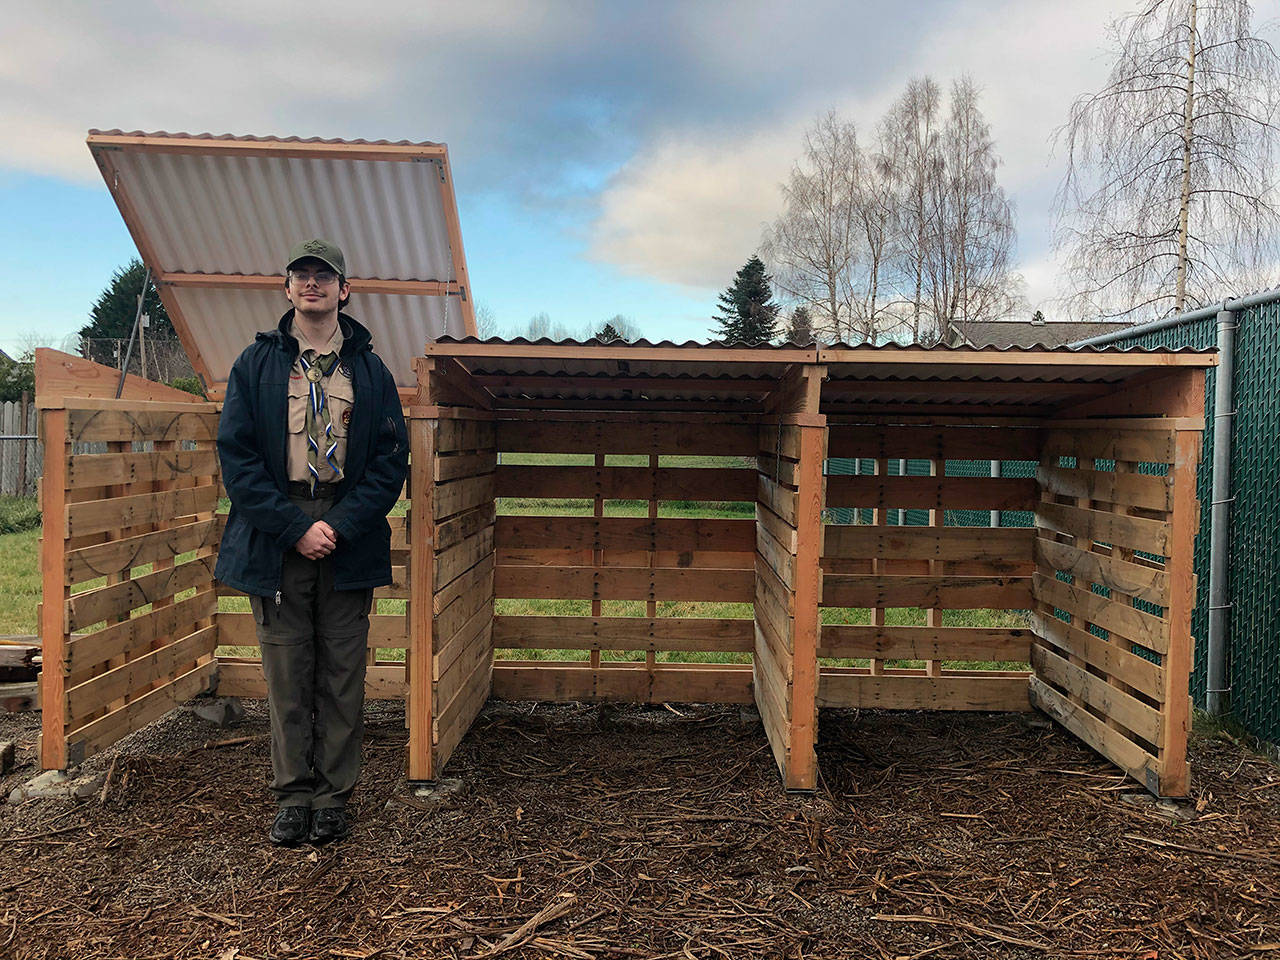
pixel 234 317
pixel 231 207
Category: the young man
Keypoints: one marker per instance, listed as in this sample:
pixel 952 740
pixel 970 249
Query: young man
pixel 314 453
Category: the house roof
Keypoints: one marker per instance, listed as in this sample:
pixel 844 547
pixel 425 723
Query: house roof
pixel 1024 333
pixel 214 216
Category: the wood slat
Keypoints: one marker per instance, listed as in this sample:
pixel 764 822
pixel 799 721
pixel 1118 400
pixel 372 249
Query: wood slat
pixel 117 600
pixel 626 533
pixel 942 593
pixel 932 493
pixel 138 674
pixel 462 556
pixel 1114 657
pixel 840 687
pixel 781 500
pixel 780 439
pixel 777 469
pixel 928 543
pixel 1133 533
pixel 459 495
pixel 623 633
pixel 1143 446
pixel 558 681
pixel 1086 606
pixel 478 577
pixel 100 469
pixel 456 665
pixel 718 560
pixel 118 556
pixel 1128 489
pixel 1113 703
pixel 452 436
pixel 876 442
pixel 244 678
pixel 100 516
pixel 672 438
pixel 626 483
pixel 780 560
pixel 1135 579
pixel 465 465
pixel 774 604
pixel 386 631
pixel 925 643
pixel 98 734
pixel 1112 744
pixel 463 525
pixel 621 583
pixel 92 426
pixel 135 636
pixel 463 630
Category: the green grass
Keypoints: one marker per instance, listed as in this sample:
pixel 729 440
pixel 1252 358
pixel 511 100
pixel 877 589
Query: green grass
pixel 18 514
pixel 19 582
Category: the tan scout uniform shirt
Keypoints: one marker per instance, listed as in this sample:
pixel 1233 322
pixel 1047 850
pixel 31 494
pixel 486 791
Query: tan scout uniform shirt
pixel 341 395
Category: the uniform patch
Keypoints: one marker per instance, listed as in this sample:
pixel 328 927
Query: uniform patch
pixel 344 370
pixel 346 417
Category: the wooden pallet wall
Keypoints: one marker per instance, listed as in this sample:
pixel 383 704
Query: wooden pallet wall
pixel 936 568
pixel 787 589
pixel 1113 591
pixel 128 544
pixel 648 559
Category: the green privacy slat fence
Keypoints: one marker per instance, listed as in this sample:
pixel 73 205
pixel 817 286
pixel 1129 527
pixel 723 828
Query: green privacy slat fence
pixel 1253 652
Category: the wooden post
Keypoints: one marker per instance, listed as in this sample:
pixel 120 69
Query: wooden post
pixel 1185 519
pixel 421 531
pixel 22 445
pixel 53 615
pixel 802 773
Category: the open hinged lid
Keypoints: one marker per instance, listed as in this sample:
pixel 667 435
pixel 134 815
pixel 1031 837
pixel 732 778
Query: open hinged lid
pixel 214 218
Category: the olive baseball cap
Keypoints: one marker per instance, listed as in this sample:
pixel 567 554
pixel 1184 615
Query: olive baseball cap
pixel 325 251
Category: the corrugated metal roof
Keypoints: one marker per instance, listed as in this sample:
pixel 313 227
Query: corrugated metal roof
pixel 891 376
pixel 232 206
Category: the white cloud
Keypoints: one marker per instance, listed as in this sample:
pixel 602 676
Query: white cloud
pixel 689 207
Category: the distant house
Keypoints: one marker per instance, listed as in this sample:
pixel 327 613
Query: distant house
pixel 1027 333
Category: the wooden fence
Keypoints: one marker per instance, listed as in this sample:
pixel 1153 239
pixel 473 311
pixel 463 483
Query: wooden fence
pixel 20 453
pixel 127 552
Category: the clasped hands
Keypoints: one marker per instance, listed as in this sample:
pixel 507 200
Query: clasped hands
pixel 318 541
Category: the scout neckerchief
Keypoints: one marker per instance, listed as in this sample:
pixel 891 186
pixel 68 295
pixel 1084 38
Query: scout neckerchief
pixel 319 423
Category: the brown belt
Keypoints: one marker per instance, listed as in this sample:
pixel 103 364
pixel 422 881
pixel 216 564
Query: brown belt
pixel 323 491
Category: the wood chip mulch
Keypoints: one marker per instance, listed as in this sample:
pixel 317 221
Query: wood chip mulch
pixel 586 832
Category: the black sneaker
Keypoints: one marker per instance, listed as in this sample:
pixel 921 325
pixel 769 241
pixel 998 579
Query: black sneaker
pixel 329 824
pixel 290 826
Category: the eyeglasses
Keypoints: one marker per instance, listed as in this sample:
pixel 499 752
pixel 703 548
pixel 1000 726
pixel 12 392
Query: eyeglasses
pixel 321 277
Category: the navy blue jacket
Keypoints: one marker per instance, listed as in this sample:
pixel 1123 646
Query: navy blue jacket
pixel 251 446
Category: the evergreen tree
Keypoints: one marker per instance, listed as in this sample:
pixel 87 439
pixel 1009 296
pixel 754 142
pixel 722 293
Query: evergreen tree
pixel 608 333
pixel 799 328
pixel 747 311
pixel 112 314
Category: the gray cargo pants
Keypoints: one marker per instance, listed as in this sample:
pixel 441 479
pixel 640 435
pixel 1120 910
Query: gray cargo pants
pixel 313 653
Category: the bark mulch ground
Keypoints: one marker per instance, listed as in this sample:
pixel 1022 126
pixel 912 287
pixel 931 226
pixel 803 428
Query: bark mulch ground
pixel 580 831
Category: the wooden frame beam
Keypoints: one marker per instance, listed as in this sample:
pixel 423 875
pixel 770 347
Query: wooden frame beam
pixel 236 281
pixel 539 382
pixel 101 143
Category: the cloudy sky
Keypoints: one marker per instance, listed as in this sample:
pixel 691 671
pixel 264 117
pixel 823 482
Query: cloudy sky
pixel 608 157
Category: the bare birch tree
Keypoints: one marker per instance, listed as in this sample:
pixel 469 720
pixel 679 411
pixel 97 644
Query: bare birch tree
pixel 1168 197
pixel 812 246
pixel 910 137
pixel 968 248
